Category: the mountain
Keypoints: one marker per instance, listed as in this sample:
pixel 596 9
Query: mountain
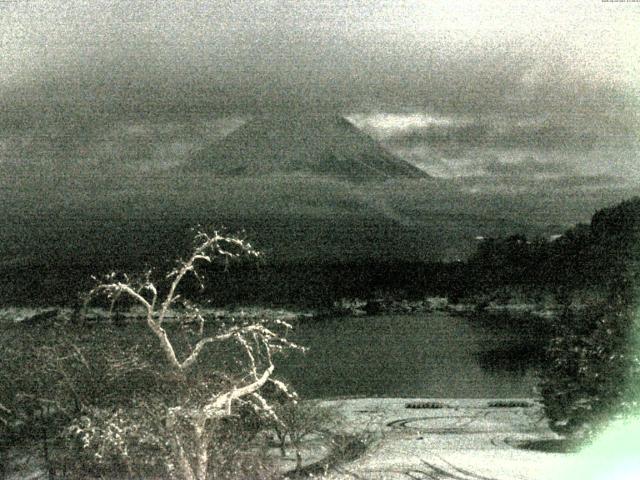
pixel 294 183
pixel 312 144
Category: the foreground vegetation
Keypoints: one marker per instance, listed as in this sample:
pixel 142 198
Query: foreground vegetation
pixel 591 368
pixel 178 395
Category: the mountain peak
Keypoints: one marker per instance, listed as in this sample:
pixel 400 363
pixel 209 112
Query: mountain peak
pixel 304 143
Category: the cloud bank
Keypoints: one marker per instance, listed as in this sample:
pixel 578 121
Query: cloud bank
pixel 109 92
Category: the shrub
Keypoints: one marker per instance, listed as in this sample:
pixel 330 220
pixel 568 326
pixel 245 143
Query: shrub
pixel 300 420
pixel 590 363
pixel 592 367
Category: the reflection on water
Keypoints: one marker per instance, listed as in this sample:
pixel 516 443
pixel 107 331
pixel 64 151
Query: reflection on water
pixel 419 355
pixel 516 359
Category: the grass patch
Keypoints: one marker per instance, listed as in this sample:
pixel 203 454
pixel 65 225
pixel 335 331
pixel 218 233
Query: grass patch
pixel 434 405
pixel 510 404
pixel 552 445
pixel 345 448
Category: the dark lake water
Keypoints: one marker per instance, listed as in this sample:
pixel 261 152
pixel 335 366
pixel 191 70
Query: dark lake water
pixel 419 355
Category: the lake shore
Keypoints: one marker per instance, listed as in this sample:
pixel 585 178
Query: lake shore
pixel 422 438
pixel 449 439
pixel 388 434
pixel 421 353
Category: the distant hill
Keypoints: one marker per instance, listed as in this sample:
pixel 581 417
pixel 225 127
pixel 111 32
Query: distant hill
pixel 295 185
pixel 314 144
pixel 602 255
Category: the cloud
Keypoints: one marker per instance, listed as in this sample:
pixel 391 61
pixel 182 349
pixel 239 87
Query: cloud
pixel 108 90
pixel 96 61
pixel 528 168
pixel 498 145
pixel 539 132
pixel 127 147
pixel 395 124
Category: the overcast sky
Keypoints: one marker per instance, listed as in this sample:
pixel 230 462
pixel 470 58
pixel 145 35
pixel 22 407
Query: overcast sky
pixel 437 81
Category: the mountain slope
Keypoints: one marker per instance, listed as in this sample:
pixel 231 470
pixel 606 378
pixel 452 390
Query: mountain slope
pixel 320 144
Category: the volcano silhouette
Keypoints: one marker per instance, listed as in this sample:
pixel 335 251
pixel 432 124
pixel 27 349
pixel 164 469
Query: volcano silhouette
pixel 312 144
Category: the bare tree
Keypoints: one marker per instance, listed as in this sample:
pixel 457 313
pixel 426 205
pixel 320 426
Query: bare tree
pixel 188 421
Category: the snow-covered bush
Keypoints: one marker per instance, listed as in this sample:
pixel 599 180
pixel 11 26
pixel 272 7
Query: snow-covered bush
pixel 296 421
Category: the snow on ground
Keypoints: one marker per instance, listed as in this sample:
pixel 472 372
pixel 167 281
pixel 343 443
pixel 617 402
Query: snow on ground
pixel 431 439
pixel 448 439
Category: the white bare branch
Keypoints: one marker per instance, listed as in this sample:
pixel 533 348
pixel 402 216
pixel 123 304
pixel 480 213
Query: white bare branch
pixel 284 388
pixel 6 411
pixel 258 339
pixel 216 407
pixel 117 288
pixel 230 333
pixel 208 248
pixel 264 406
pixel 249 351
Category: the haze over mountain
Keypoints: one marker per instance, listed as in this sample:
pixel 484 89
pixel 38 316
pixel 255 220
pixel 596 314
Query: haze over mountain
pixel 305 143
pixel 116 118
pixel 459 89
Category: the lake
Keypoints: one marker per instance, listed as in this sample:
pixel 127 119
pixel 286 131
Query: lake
pixel 424 354
pixel 430 354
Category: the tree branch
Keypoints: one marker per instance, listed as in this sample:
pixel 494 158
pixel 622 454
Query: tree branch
pixel 217 407
pixel 119 287
pixel 232 332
